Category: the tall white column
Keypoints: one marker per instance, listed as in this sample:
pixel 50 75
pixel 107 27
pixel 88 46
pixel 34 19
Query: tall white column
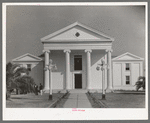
pixel 88 53
pixel 67 68
pixel 109 70
pixel 46 79
pixel 103 82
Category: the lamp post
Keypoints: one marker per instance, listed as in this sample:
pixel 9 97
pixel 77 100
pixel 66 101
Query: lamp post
pixel 102 66
pixel 50 67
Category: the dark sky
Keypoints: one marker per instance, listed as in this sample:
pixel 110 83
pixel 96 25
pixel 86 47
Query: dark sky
pixel 26 25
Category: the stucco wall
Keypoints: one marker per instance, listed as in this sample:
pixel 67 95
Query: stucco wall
pixel 120 73
pixel 58 76
pixel 117 72
pixel 96 76
pixel 37 73
pixel 136 73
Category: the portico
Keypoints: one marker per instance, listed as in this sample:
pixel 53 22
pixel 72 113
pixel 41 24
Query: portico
pixel 77 49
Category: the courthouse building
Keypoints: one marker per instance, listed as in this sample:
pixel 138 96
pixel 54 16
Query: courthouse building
pixel 77 51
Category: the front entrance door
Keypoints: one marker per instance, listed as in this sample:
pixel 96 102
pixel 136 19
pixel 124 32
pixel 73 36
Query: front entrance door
pixel 78 81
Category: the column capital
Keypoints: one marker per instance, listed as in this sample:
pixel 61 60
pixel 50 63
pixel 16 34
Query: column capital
pixel 67 50
pixel 88 50
pixel 48 51
pixel 108 50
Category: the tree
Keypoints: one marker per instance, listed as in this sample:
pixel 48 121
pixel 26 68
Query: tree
pixel 14 79
pixel 140 83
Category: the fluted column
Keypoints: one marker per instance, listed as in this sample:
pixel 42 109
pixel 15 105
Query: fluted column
pixel 109 70
pixel 46 79
pixel 67 68
pixel 88 54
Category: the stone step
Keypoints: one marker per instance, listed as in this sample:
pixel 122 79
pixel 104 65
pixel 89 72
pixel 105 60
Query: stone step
pixel 78 91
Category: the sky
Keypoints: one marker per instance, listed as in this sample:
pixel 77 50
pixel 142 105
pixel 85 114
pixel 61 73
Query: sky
pixel 26 25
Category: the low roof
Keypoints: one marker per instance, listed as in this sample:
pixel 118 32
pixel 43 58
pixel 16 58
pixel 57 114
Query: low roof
pixel 127 56
pixel 27 57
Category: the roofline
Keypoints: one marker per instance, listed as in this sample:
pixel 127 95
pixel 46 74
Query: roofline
pixel 28 61
pixel 72 41
pixel 72 25
pixel 116 58
pixel 96 31
pixel 15 59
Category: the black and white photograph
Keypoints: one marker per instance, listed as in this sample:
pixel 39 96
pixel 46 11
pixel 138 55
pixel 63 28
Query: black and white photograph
pixel 75 61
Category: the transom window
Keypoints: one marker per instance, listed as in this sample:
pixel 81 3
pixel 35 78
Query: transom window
pixel 78 62
pixel 29 67
pixel 127 66
pixel 127 80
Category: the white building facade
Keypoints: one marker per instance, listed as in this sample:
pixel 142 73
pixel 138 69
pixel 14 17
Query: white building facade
pixel 76 50
pixel 126 70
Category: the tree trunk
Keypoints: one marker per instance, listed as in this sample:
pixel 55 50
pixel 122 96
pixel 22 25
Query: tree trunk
pixel 16 91
pixel 8 95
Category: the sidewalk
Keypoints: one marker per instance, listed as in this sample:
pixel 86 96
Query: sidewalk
pixel 77 100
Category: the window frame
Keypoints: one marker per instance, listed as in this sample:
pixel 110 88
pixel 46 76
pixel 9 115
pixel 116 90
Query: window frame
pixel 128 80
pixel 78 56
pixel 29 68
pixel 127 68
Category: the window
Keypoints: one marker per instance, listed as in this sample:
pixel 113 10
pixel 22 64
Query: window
pixel 127 80
pixel 78 62
pixel 77 34
pixel 29 67
pixel 127 66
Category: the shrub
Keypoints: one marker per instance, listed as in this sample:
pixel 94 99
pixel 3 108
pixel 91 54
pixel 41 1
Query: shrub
pixel 140 83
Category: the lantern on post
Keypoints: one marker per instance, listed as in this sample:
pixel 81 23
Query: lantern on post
pixel 102 67
pixel 50 67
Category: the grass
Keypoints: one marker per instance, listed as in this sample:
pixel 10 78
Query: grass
pixel 62 102
pixel 93 103
pixel 118 100
pixel 31 100
pixel 140 90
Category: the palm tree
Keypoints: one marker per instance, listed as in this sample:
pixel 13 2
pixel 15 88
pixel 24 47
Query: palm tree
pixel 14 79
pixel 140 83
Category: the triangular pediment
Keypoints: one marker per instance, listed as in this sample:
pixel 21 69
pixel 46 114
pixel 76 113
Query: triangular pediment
pixel 27 57
pixel 76 32
pixel 127 56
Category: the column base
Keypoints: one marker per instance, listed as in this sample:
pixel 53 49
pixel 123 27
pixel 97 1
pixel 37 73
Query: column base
pixel 46 90
pixel 50 97
pixel 109 90
pixel 103 97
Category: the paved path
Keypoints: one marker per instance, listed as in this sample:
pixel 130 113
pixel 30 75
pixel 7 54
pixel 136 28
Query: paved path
pixel 77 100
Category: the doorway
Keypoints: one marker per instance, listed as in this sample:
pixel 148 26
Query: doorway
pixel 78 81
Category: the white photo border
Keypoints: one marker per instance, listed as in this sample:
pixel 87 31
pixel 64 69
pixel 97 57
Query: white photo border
pixel 68 114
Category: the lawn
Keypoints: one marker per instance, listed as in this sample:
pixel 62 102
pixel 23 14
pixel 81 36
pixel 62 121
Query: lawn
pixel 31 100
pixel 122 100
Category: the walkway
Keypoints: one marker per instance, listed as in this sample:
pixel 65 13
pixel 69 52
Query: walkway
pixel 77 100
